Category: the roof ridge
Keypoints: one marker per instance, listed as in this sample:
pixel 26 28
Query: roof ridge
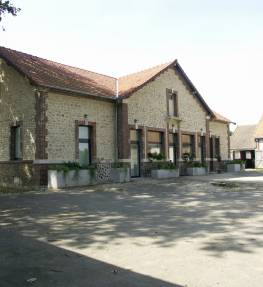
pixel 147 69
pixel 70 66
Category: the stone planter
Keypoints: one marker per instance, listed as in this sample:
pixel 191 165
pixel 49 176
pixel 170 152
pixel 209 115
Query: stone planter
pixel 192 171
pixel 61 179
pixel 120 174
pixel 165 173
pixel 233 167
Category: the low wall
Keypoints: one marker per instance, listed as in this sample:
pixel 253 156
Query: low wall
pixel 23 175
pixel 27 175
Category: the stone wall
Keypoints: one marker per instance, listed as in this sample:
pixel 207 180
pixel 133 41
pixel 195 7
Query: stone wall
pixel 64 110
pixel 221 130
pixel 149 104
pixel 22 175
pixel 17 103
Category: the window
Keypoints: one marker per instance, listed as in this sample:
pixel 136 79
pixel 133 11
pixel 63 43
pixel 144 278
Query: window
pixel 84 145
pixel 155 142
pixel 134 135
pixel 172 105
pixel 188 145
pixel 173 147
pixel 16 151
pixel 237 155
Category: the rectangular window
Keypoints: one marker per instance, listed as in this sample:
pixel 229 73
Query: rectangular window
pixel 155 142
pixel 16 153
pixel 188 145
pixel 173 147
pixel 172 105
pixel 84 145
pixel 237 155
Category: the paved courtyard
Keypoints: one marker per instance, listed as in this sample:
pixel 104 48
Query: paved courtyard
pixel 192 231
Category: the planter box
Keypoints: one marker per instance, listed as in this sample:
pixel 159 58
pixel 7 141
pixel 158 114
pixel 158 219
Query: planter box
pixel 60 179
pixel 120 174
pixel 165 173
pixel 196 171
pixel 233 167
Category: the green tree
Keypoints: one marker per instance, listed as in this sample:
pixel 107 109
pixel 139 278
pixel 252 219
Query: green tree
pixel 7 8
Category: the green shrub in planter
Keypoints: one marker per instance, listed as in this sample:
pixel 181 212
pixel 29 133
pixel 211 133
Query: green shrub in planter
pixel 196 164
pixel 71 174
pixel 164 169
pixel 165 165
pixel 196 168
pixel 156 156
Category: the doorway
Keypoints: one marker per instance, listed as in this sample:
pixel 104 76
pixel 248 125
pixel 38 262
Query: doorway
pixel 173 150
pixel 249 157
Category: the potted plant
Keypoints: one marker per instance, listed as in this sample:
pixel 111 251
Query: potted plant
pixel 154 156
pixel 120 172
pixel 70 174
pixel 235 165
pixel 196 168
pixel 164 170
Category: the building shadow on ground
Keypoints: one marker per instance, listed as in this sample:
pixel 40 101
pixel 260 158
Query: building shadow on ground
pixel 28 262
pixel 164 211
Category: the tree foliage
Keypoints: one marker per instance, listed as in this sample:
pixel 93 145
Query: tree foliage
pixel 7 7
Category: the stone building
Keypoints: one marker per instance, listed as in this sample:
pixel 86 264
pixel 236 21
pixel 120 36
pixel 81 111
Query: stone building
pixel 52 113
pixel 247 144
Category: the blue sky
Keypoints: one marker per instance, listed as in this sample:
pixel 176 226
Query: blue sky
pixel 218 43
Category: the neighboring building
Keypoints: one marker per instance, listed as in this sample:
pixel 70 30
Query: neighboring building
pixel 247 144
pixel 51 113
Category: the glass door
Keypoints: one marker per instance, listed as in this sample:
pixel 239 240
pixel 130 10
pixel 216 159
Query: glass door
pixel 173 148
pixel 135 153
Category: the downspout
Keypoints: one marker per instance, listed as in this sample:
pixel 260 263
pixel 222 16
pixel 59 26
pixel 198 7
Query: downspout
pixel 116 120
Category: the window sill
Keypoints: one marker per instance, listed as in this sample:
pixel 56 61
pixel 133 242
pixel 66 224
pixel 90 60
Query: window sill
pixel 172 119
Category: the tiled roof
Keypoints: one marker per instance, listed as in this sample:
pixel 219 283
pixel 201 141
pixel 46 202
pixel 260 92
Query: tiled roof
pixel 259 131
pixel 65 78
pixel 50 74
pixel 221 118
pixel 132 82
pixel 243 138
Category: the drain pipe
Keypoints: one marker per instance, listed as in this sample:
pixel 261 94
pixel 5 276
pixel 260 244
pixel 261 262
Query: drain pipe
pixel 116 120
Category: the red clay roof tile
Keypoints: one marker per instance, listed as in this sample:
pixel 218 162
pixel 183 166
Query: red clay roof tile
pixel 50 74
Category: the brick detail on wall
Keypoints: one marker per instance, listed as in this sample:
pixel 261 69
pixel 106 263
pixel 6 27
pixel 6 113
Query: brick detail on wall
pixel 41 134
pixel 41 125
pixel 207 139
pixel 123 131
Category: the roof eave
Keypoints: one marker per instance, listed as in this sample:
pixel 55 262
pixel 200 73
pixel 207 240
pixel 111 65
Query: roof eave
pixel 54 88
pixel 78 92
pixel 224 122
